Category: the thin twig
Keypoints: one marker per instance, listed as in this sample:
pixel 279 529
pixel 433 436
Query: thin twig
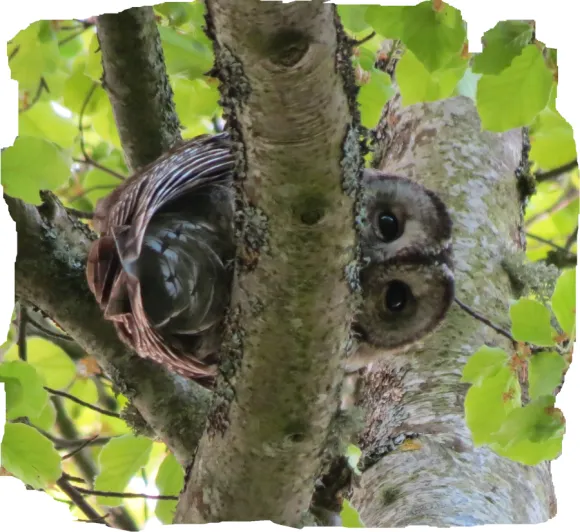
pixel 42 85
pixel 22 322
pixel 74 495
pixel 79 448
pixel 81 402
pixel 364 39
pixel 71 37
pixel 48 332
pixel 87 158
pixel 90 189
pixel 569 195
pixel 550 243
pixel 571 239
pixel 127 495
pixel 545 176
pixel 484 320
pixel 94 163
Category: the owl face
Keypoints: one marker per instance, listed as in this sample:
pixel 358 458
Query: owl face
pixel 407 277
pixel 400 217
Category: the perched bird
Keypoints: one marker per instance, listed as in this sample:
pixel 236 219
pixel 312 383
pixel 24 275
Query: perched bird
pixel 161 268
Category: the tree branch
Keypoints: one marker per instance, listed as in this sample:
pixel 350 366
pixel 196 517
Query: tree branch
pixel 289 104
pixel 50 274
pixel 135 78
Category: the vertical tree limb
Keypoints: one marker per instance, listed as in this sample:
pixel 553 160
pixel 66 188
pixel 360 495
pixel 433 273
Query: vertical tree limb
pixel 287 103
pixel 443 480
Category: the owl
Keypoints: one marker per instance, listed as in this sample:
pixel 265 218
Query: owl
pixel 407 269
pixel 161 267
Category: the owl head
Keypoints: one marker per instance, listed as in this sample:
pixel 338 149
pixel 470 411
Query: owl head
pixel 407 275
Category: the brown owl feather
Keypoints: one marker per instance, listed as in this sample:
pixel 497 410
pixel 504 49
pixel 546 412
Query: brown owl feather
pixel 160 269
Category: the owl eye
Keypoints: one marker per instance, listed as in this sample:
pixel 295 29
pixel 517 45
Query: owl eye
pixel 389 227
pixel 398 296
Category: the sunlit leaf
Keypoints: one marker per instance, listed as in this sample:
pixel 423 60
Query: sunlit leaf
pixel 33 164
pixel 485 362
pixel 30 456
pixel 373 96
pixel 169 481
pixel 503 43
pixel 516 96
pixel 417 84
pixel 53 365
pixel 120 459
pixel 488 404
pixel 531 322
pixel 545 373
pixel 25 393
pixel 564 300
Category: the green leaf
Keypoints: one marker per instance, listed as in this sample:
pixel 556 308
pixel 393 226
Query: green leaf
pixel 515 97
pixel 42 121
pixel 94 65
pixel 485 362
pixel 373 96
pixel 353 17
pixel 26 395
pixel 531 322
pixel 185 55
pixel 85 390
pixel 349 516
pixel 194 99
pixel 169 481
pixel 35 56
pixel 531 453
pixel 33 164
pixel 386 20
pixel 417 84
pixel 536 422
pixel 545 373
pixel 552 140
pixel 30 456
pixel 488 404
pixel 46 417
pixel 104 124
pixel 175 12
pixel 564 300
pixel 502 44
pixel 76 91
pixel 433 36
pixel 52 364
pixel 120 460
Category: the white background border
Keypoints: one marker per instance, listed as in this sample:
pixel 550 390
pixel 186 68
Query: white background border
pixel 556 25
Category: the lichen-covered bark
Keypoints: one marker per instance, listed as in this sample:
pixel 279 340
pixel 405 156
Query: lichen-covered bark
pixel 442 480
pixel 286 103
pixel 136 81
pixel 50 274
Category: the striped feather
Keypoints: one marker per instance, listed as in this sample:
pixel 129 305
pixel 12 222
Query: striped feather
pixel 195 170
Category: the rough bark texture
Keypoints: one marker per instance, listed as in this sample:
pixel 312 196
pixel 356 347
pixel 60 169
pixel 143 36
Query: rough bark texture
pixel 50 274
pixel 284 92
pixel 445 481
pixel 136 81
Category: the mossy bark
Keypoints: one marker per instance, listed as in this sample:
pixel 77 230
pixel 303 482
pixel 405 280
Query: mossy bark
pixel 441 479
pixel 288 109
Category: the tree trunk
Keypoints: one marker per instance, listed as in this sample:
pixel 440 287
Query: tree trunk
pixel 442 480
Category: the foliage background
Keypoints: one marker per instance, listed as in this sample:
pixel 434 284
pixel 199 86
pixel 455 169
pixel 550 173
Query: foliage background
pixel 66 121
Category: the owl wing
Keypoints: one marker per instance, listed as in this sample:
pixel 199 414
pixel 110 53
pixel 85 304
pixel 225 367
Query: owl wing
pixel 123 219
